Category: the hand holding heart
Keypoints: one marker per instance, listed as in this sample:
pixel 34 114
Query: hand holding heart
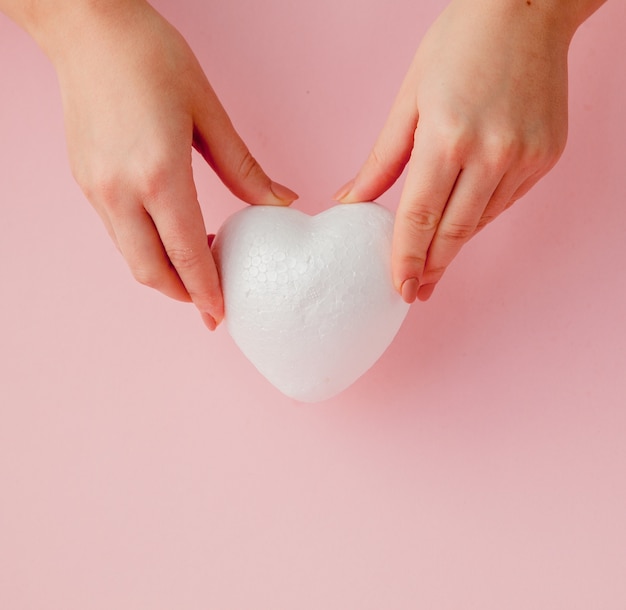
pixel 135 102
pixel 480 117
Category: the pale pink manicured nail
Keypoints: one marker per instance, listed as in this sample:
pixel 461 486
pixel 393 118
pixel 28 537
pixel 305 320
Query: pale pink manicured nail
pixel 283 193
pixel 426 291
pixel 410 288
pixel 209 321
pixel 344 191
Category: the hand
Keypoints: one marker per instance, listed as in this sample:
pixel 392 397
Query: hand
pixel 135 102
pixel 480 118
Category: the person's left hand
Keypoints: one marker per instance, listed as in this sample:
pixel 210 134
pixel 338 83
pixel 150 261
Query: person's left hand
pixel 479 119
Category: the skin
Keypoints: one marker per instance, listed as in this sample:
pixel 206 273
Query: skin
pixel 135 101
pixel 480 117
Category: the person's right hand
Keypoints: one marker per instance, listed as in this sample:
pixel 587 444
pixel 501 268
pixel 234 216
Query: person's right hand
pixel 135 102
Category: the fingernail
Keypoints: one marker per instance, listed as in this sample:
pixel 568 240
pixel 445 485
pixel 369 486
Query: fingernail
pixel 209 321
pixel 283 193
pixel 426 291
pixel 409 290
pixel 344 191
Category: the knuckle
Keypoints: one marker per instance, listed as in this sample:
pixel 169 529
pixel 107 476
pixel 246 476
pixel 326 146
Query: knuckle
pixel 412 262
pixel 433 274
pixel 184 258
pixel 153 179
pixel 542 152
pixel 248 167
pixel 503 149
pixel 538 155
pixel 386 164
pixel 111 185
pixel 456 139
pixel 146 277
pixel 205 300
pixel 377 157
pixel 456 232
pixel 421 220
pixel 100 184
pixel 103 184
pixel 485 220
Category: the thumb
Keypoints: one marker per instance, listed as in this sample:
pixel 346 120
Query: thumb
pixel 387 159
pixel 223 149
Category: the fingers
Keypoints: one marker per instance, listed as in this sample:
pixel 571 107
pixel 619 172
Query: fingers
pixel 164 242
pixel 181 229
pixel 140 244
pixel 475 195
pixel 448 196
pixel 444 204
pixel 474 203
pixel 130 153
pixel 160 230
pixel 430 180
pixel 388 157
pixel 224 150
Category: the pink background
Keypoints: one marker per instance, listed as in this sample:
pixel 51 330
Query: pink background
pixel 480 464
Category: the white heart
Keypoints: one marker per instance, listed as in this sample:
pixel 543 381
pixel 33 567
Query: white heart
pixel 309 299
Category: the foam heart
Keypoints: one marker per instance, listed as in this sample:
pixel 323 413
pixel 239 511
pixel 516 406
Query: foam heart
pixel 309 299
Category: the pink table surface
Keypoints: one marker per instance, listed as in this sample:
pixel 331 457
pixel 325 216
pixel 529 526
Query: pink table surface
pixel 480 464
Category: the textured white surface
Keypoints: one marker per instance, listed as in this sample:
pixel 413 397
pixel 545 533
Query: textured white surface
pixel 309 299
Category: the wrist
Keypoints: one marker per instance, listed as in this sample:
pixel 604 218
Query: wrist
pixel 59 26
pixel 558 18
